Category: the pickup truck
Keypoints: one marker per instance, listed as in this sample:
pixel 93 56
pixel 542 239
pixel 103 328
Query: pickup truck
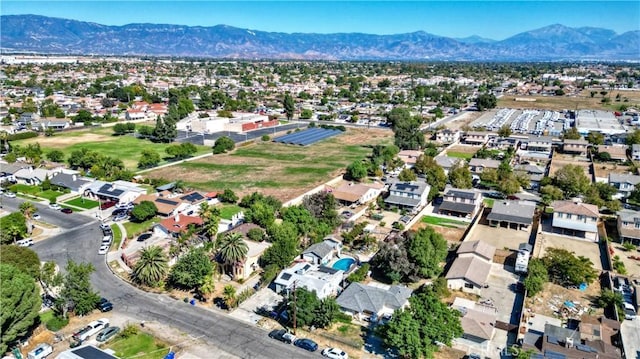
pixel 91 329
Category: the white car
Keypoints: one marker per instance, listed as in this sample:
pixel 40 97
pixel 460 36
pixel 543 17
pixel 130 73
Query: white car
pixel 55 206
pixel 10 195
pixel 103 249
pixel 106 239
pixel 36 216
pixel 335 353
pixel 91 329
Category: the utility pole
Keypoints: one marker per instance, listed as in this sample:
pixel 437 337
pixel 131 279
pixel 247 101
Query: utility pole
pixel 295 308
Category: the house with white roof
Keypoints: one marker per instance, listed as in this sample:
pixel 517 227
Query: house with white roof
pixel 324 281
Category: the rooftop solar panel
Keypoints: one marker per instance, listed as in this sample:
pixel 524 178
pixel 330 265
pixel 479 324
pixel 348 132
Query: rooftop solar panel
pixel 166 201
pixel 192 197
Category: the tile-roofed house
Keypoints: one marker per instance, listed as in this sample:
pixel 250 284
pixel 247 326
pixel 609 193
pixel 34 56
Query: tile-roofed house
pixel 478 165
pixel 323 280
pixel 576 219
pixel 409 157
pixel 469 274
pixel 174 226
pixel 363 300
pixel 629 225
pixel 460 203
pixel 617 152
pixel 73 182
pixel 579 146
pixel 357 192
pixel 512 214
pixel 408 194
pixel 478 248
pixel 624 183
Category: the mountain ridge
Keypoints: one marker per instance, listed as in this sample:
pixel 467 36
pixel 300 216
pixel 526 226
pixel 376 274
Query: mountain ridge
pixel 47 35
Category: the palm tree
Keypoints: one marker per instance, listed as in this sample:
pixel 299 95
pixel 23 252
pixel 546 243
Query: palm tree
pixel 229 295
pixel 232 248
pixel 28 209
pixel 211 219
pixel 151 268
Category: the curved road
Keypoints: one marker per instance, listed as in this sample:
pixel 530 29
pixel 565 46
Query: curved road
pixel 80 241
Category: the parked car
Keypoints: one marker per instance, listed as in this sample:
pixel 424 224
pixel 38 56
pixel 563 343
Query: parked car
pixel 66 210
pixel 105 227
pixel 346 214
pixel 55 206
pixel 121 217
pixel 282 335
pixel 27 242
pixel 105 307
pixel 107 204
pixel 306 344
pixel 10 194
pixel 36 216
pixel 107 239
pixel 335 353
pixel 40 352
pixel 104 249
pixel 144 236
pixel 92 328
pixel 107 333
pixel 438 200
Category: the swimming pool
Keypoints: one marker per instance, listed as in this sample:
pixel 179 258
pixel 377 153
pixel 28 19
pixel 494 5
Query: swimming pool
pixel 344 263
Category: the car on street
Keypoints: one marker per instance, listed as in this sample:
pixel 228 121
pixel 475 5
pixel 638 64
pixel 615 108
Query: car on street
pixel 306 344
pixel 36 216
pixel 10 194
pixel 335 353
pixel 107 333
pixel 27 242
pixel 107 239
pixel 66 210
pixel 104 249
pixel 120 217
pixel 55 206
pixel 105 227
pixel 105 307
pixel 282 335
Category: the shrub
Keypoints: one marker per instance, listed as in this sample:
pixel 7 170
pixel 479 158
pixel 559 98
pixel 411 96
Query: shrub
pixel 128 331
pixel 265 138
pixel 360 274
pixel 56 323
pixel 22 136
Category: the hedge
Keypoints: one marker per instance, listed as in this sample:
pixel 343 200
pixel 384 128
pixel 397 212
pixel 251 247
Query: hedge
pixel 22 136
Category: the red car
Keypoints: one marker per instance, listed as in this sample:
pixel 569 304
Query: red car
pixel 513 198
pixel 66 210
pixel 108 204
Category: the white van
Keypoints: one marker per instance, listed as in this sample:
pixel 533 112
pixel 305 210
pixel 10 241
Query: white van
pixel 40 352
pixel 25 242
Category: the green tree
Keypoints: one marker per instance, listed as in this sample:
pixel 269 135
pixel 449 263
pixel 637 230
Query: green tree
pixel 435 175
pixel 27 209
pixel 19 304
pixel 357 170
pixel 229 295
pixel 284 249
pixel 572 180
pixel 426 249
pixel 406 129
pixel 610 298
pixel 152 267
pixel 21 258
pixel 228 196
pixel 55 156
pixel 191 270
pixel 595 138
pixel 232 248
pixel 77 294
pixel 360 274
pixel 210 219
pixel 289 106
pixel 486 101
pixel 119 129
pixel 144 210
pixel 407 175
pixel 537 276
pixel 12 228
pixel 306 114
pixel 633 137
pixel 300 217
pixel 148 158
pixel 460 175
pixel 566 269
pixel 572 134
pixel 261 214
pixel 325 312
pixel 504 131
pixel 223 145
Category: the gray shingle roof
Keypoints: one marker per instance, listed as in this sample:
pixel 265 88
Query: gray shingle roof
pixel 624 178
pixel 321 249
pixel 481 248
pixel 409 187
pixel 405 201
pixel 512 211
pixel 457 207
pixel 361 298
pixel 472 269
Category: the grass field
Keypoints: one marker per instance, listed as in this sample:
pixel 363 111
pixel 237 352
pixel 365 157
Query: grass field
pixel 37 191
pixel 141 346
pixel 284 171
pixel 82 203
pixel 126 148
pixel 581 101
pixel 227 211
pixel 444 222
pixel 135 228
pixel 463 155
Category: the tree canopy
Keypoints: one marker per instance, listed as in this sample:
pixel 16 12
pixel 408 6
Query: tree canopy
pixel 406 129
pixel 19 304
pixel 144 210
pixel 311 311
pixel 22 258
pixel 486 101
pixel 223 145
pixel 191 270
pixel 572 180
pixel 566 269
pixel 77 293
pixel 13 227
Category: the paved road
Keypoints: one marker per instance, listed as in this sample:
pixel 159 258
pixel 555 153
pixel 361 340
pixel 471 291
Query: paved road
pixel 80 243
pixel 62 220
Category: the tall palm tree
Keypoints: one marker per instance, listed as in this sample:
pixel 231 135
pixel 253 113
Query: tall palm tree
pixel 232 249
pixel 151 268
pixel 211 219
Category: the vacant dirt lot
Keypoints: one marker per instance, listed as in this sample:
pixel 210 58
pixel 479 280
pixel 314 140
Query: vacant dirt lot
pixel 463 120
pixel 581 101
pixel 604 169
pixel 560 160
pixel 452 235
pixel 550 301
pixel 467 149
pixel 578 247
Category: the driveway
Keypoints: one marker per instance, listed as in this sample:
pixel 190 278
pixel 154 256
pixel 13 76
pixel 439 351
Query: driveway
pixel 630 332
pixel 265 297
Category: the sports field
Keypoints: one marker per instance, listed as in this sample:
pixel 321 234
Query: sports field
pixel 284 171
pixel 127 148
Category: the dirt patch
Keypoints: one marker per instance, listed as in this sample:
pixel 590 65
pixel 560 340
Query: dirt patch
pixel 463 120
pixel 464 149
pixel 603 170
pixel 560 160
pixel 551 301
pixel 452 235
pixel 449 353
pixel 582 101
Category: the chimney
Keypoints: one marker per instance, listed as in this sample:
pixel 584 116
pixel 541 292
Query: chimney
pixel 177 217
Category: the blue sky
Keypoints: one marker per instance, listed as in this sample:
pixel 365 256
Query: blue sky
pixel 492 19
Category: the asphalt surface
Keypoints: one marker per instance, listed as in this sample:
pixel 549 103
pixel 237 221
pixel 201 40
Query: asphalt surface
pixel 80 242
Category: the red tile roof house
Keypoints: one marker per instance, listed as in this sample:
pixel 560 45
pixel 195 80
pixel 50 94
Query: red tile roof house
pixel 174 226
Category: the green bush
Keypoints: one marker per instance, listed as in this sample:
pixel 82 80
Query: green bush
pixel 129 331
pixel 56 323
pixel 22 136
pixel 343 318
pixel 265 138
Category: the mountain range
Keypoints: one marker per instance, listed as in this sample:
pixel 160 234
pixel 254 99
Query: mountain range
pixel 48 35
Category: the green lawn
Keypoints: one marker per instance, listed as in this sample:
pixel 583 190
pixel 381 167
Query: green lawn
pixel 444 222
pixel 140 346
pixel 228 210
pixel 460 155
pixel 135 228
pixel 50 194
pixel 83 203
pixel 488 202
pixel 127 148
pixel 23 188
pixel 117 237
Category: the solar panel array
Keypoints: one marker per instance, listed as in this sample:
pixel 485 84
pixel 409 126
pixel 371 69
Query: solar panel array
pixel 307 137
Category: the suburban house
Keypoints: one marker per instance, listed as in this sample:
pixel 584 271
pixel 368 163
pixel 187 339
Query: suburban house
pixel 323 280
pixel 448 136
pixel 446 162
pixel 362 301
pixel 512 214
pixel 133 114
pixel 72 182
pixel 470 270
pixel 624 183
pixel 476 137
pixel 409 157
pixel 357 193
pixel 535 173
pixel 118 191
pixel 460 203
pixel 541 144
pixel 635 152
pixel 576 219
pixel 322 253
pixel 478 165
pixel 408 195
pixel 32 176
pixel 477 320
pixel 578 147
pixel 169 203
pixel 617 152
pixel 629 226
pixel 176 225
pixel 54 124
pixel 8 171
pixel 591 339
pixel 244 269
